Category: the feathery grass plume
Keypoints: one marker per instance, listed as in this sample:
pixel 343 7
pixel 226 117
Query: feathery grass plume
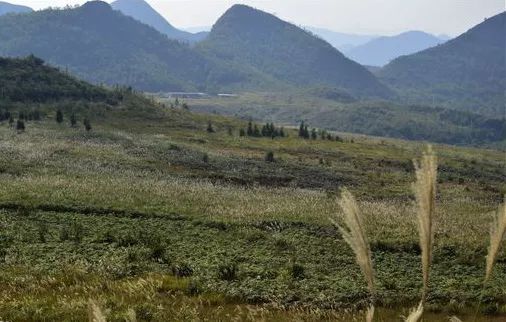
pixel 415 315
pixel 354 234
pixel 425 192
pixel 94 312
pixel 370 314
pixel 496 236
pixel 454 319
pixel 131 316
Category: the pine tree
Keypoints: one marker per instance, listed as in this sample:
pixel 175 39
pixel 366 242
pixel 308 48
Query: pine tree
pixel 87 125
pixel 242 132
pixel 306 132
pixel 210 127
pixel 314 134
pixel 20 126
pixel 11 120
pixel 301 130
pixel 256 131
pixel 282 132
pixel 73 120
pixel 59 116
pixel 250 129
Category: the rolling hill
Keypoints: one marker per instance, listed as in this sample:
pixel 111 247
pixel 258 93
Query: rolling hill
pixel 382 50
pixel 251 37
pixel 6 8
pixel 101 45
pixel 142 11
pixel 468 72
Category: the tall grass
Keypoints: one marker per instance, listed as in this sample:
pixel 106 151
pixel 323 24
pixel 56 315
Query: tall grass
pixel 354 234
pixel 425 193
pixel 95 313
pixel 497 233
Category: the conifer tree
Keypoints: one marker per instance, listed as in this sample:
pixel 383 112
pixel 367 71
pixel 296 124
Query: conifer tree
pixel 210 127
pixel 20 126
pixel 59 116
pixel 73 120
pixel 250 129
pixel 87 125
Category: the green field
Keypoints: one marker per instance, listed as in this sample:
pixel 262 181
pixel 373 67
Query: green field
pixel 149 212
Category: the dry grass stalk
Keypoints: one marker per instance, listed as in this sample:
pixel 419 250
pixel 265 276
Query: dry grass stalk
pixel 354 234
pixel 94 312
pixel 415 315
pixel 370 314
pixel 496 236
pixel 425 192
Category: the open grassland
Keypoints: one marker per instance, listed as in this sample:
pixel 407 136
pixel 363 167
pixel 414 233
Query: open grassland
pixel 154 214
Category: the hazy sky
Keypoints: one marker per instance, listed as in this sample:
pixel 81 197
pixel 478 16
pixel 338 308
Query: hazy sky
pixel 451 17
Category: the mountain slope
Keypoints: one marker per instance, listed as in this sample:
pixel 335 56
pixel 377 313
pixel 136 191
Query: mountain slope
pixel 142 11
pixel 30 80
pixel 468 72
pixel 104 46
pixel 6 8
pixel 382 50
pixel 252 37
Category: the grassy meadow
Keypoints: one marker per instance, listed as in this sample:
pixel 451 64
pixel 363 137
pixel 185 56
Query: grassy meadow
pixel 150 213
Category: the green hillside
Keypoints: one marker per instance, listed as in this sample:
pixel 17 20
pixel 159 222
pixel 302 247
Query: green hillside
pixel 288 53
pixel 468 72
pixel 29 80
pixel 103 46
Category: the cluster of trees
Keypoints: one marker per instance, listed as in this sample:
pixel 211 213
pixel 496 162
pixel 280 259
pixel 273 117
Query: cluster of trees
pixel 73 120
pixel 268 130
pixel 315 134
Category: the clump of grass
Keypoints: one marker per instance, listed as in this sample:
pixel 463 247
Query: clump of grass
pixel 496 236
pixel 354 234
pixel 416 314
pixel 425 192
pixel 94 312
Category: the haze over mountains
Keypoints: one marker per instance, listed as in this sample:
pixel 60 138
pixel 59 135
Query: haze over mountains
pixel 380 51
pixel 250 50
pixel 468 72
pixel 142 11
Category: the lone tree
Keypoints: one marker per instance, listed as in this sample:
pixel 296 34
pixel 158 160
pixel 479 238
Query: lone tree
pixel 301 129
pixel 59 116
pixel 250 129
pixel 210 127
pixel 314 134
pixel 20 126
pixel 242 132
pixel 87 125
pixel 269 156
pixel 73 120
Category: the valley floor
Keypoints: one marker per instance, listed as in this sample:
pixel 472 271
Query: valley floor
pixel 162 218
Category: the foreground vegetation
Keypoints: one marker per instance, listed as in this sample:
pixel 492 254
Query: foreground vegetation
pixel 151 212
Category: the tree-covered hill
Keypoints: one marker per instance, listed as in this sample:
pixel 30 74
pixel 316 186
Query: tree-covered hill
pixel 29 80
pixel 468 72
pixel 6 8
pixel 252 37
pixel 101 45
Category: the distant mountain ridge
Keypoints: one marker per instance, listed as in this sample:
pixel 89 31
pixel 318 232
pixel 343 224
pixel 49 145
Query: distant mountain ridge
pixel 252 37
pixel 340 40
pixel 380 51
pixel 6 8
pixel 468 72
pixel 142 11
